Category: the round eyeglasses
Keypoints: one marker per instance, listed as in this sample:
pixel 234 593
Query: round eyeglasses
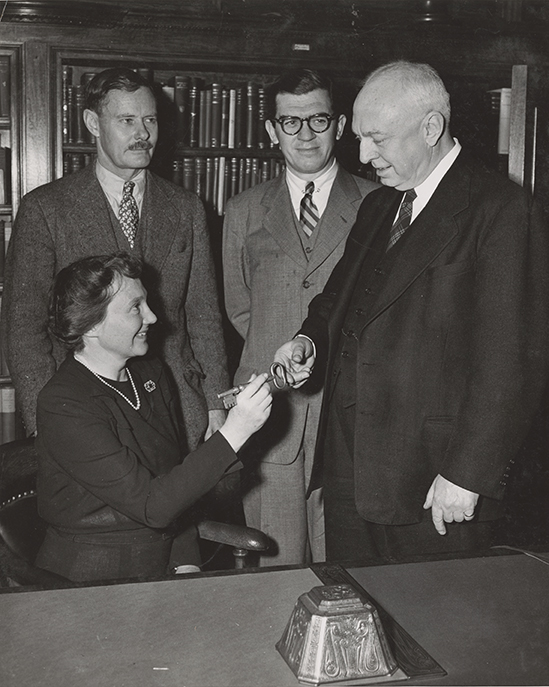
pixel 317 123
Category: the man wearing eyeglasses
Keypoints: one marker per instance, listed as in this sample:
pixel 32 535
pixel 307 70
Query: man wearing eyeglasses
pixel 282 239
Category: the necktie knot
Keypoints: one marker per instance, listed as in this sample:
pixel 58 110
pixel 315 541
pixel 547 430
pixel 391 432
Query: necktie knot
pixel 129 212
pixel 308 212
pixel 404 218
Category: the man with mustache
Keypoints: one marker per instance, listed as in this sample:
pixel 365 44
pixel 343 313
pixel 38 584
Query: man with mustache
pixel 117 204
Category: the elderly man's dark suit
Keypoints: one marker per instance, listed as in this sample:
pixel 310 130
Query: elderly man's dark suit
pixel 444 356
pixel 71 218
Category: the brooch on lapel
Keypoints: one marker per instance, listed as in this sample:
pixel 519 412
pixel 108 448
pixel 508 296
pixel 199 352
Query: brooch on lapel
pixel 149 385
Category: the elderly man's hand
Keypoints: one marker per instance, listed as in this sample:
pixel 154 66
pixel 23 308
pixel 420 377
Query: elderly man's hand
pixel 298 357
pixel 449 503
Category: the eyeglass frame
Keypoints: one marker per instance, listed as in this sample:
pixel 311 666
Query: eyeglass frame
pixel 331 118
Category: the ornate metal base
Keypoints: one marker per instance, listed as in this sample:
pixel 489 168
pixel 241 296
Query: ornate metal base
pixel 334 636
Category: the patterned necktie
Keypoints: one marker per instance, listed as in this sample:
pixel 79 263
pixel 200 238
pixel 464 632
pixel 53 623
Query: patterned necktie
pixel 128 214
pixel 308 212
pixel 404 218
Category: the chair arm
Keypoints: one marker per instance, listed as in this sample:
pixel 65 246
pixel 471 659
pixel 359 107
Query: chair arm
pixel 238 536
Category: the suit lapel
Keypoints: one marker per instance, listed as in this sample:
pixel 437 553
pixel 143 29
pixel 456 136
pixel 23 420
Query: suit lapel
pixel 279 220
pixel 89 215
pixel 426 238
pixel 161 220
pixel 338 218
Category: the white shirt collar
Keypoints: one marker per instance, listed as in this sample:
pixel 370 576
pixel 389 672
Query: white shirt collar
pixel 323 187
pixel 426 189
pixel 113 186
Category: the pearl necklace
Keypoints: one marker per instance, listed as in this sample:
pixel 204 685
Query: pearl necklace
pixel 136 405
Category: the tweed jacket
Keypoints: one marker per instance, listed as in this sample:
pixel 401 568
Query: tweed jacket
pixel 452 349
pixel 70 218
pixel 270 280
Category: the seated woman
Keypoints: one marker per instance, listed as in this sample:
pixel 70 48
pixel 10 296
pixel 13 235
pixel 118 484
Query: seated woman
pixel 112 479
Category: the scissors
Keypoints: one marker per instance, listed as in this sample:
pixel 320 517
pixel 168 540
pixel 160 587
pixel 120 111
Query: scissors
pixel 278 375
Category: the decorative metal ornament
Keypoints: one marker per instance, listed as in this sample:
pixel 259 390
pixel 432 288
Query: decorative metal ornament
pixel 149 385
pixel 334 636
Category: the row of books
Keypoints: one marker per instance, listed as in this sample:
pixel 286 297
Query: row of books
pixel 216 179
pixel 217 116
pixel 207 115
pixel 5 235
pixel 73 127
pixel 8 422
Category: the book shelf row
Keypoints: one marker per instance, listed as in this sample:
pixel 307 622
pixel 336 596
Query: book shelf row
pixel 202 114
pixel 216 179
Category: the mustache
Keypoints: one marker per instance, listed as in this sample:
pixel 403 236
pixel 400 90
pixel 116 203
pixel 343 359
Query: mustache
pixel 140 145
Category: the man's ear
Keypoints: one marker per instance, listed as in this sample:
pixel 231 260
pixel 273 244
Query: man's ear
pixel 434 126
pixel 91 120
pixel 342 119
pixel 271 131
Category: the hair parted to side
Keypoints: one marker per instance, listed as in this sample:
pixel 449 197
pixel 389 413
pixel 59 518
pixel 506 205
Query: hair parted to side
pixel 421 82
pixel 114 79
pixel 82 292
pixel 298 82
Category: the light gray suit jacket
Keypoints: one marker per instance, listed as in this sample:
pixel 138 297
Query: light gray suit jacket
pixel 270 281
pixel 70 218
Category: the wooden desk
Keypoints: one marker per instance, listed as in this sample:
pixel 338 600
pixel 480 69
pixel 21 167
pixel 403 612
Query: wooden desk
pixel 485 620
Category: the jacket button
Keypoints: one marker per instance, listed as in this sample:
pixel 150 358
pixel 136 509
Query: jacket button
pixel 378 270
pixel 308 249
pixel 306 284
pixel 359 311
pixel 368 292
pixel 344 354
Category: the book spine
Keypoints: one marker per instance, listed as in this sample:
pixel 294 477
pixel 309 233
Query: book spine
pixel 255 172
pixel 208 196
pixel 200 177
pixel 239 118
pixel 71 106
pixel 224 139
pixel 251 114
pixel 188 173
pixel 65 116
pixel 194 108
pixel 79 114
pixel 232 118
pixel 208 123
pixel 181 100
pixel 215 133
pixel 234 177
pixel 4 88
pixel 8 413
pixel 202 120
pixel 220 203
pixel 262 136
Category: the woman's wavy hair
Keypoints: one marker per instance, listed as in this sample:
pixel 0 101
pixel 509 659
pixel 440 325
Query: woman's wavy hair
pixel 82 292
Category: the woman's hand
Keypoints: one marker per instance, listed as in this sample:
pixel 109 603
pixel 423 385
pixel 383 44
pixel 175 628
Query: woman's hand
pixel 253 407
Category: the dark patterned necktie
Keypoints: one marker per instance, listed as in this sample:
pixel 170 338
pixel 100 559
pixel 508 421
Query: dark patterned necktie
pixel 128 214
pixel 308 212
pixel 404 218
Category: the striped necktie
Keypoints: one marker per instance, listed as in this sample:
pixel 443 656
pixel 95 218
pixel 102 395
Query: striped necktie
pixel 128 214
pixel 404 218
pixel 308 212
